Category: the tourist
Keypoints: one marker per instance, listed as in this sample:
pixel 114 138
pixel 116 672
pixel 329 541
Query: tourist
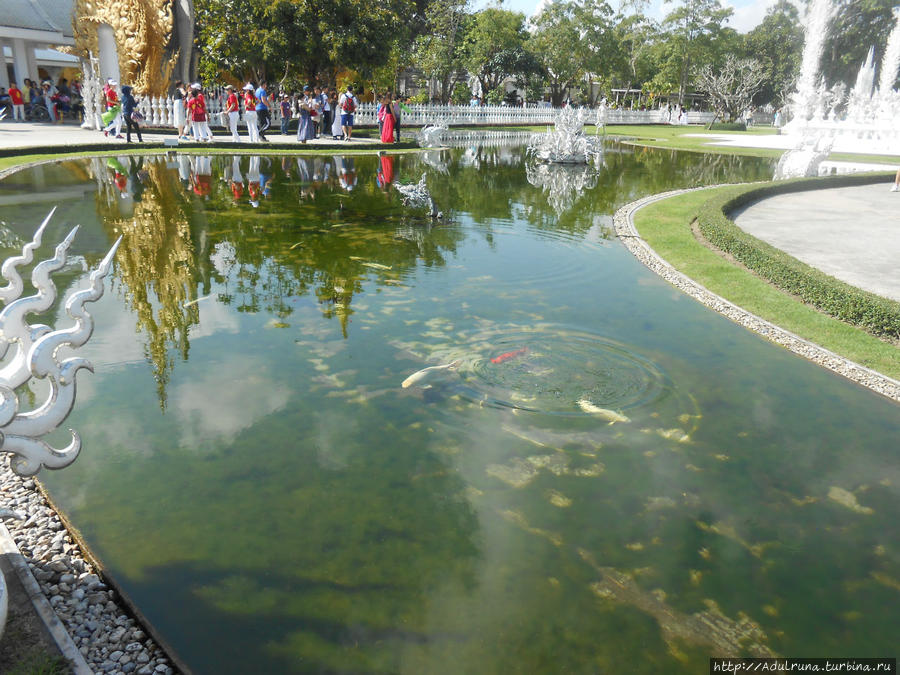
pixel 778 122
pixel 198 114
pixel 347 105
pixel 386 119
pixel 306 126
pixel 250 112
pixel 324 112
pixel 49 100
pixel 178 118
pixel 34 92
pixel 336 127
pixel 232 110
pixel 286 113
pixel 896 186
pixel 263 119
pixel 18 105
pixel 132 116
pixel 398 107
pixel 113 115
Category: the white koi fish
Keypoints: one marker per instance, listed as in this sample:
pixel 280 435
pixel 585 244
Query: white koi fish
pixel 420 375
pixel 610 415
pixel 194 302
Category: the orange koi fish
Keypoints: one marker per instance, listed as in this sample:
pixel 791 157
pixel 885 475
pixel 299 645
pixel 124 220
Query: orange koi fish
pixel 509 355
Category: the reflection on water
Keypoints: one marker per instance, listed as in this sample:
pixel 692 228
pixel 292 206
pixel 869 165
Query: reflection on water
pixel 609 474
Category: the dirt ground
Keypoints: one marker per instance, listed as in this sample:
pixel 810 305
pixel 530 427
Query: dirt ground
pixel 26 647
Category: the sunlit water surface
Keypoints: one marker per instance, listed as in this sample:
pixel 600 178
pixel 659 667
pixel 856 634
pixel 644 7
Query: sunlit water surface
pixel 258 481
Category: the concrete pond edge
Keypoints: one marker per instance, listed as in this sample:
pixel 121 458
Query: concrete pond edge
pixel 623 223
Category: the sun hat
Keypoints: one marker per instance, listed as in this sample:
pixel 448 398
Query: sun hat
pixel 228 86
pixel 248 87
pixel 196 85
pixel 112 83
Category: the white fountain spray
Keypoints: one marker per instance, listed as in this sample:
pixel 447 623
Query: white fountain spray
pixel 805 99
pixel 890 64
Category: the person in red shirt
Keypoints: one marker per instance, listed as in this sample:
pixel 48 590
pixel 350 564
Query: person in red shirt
pixel 250 112
pixel 18 104
pixel 199 120
pixel 233 111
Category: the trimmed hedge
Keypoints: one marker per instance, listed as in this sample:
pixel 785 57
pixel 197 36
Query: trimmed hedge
pixel 728 126
pixel 874 314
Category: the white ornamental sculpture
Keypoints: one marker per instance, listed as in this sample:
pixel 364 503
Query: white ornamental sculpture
pixel 567 142
pixel 31 350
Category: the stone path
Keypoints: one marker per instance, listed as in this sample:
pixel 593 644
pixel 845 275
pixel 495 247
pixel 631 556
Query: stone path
pixel 850 233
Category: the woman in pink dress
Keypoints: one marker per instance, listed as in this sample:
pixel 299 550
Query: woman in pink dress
pixel 386 116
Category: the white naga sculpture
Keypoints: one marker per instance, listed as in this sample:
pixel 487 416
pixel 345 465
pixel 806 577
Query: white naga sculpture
pixel 418 196
pixel 30 350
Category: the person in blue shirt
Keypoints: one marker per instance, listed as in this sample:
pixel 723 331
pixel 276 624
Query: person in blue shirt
pixel 263 120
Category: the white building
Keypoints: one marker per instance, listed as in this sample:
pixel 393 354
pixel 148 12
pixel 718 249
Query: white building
pixel 28 28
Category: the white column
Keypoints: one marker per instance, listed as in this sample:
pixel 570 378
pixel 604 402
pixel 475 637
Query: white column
pixel 109 54
pixel 4 75
pixel 20 61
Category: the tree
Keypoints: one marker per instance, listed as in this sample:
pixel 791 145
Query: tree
pixel 267 39
pixel 571 39
pixel 857 25
pixel 692 29
pixel 777 43
pixel 731 87
pixel 439 50
pixel 494 46
pixel 636 35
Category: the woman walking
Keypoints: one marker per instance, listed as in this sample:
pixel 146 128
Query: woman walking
pixel 336 131
pixel 386 117
pixel 199 120
pixel 233 113
pixel 306 128
pixel 178 118
pixel 132 116
pixel 250 112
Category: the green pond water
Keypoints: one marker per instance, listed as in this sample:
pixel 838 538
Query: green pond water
pixel 273 500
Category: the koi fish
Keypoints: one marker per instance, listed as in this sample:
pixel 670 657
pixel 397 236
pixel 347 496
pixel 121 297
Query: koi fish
pixel 194 302
pixel 610 415
pixel 420 375
pixel 509 355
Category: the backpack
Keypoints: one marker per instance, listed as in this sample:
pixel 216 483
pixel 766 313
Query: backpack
pixel 349 105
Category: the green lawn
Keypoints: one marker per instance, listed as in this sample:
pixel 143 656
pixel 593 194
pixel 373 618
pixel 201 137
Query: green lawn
pixel 666 226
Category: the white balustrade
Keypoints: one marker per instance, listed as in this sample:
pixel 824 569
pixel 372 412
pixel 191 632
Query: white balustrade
pixel 159 112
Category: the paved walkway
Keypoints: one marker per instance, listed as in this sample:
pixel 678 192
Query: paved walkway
pixel 27 134
pixel 850 233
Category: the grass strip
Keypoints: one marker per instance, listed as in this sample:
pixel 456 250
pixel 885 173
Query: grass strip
pixel 666 226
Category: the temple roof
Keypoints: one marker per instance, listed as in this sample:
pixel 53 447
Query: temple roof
pixel 45 15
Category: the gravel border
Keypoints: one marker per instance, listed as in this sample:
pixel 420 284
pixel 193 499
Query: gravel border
pixel 623 223
pixel 93 614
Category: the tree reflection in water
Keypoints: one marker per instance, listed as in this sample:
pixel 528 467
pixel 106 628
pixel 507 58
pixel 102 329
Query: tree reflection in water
pixel 258 232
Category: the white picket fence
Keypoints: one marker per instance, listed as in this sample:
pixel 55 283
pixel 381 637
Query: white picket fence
pixel 157 112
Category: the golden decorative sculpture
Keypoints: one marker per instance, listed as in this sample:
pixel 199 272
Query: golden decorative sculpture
pixel 143 32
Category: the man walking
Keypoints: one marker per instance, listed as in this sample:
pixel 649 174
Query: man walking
pixel 263 103
pixel 347 105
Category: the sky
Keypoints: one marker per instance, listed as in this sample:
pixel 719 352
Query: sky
pixel 747 13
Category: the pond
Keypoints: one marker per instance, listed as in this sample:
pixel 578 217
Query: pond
pixel 595 471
